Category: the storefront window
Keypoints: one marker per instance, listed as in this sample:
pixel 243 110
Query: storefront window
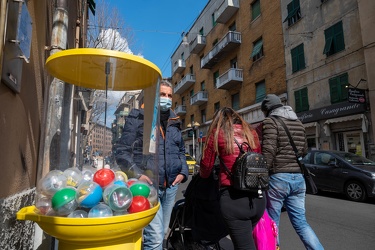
pixel 311 143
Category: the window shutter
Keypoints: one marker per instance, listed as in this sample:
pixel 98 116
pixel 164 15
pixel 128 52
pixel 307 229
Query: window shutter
pixel 301 56
pixel 334 91
pixel 343 89
pixel 339 37
pixel 304 99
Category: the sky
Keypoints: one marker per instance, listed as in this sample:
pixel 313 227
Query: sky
pixel 157 26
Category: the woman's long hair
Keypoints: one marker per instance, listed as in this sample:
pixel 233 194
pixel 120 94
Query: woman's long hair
pixel 223 121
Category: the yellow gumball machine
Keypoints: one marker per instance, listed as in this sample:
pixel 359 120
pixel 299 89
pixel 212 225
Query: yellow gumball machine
pixel 102 69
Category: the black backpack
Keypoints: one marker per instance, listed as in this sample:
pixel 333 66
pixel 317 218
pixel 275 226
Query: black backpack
pixel 249 171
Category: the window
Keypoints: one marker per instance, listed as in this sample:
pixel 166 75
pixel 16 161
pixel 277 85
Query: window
pixel 257 50
pixel 294 12
pixel 191 70
pixel 233 27
pixel 233 63
pixel 301 99
pixel 183 100
pixel 236 101
pixel 337 88
pixel 214 42
pixel 182 56
pixel 255 9
pixel 203 115
pixel 260 91
pixel 192 119
pixel 203 86
pixel 298 58
pixel 216 106
pixel 216 76
pixel 213 20
pixel 191 92
pixel 334 39
pixel 201 31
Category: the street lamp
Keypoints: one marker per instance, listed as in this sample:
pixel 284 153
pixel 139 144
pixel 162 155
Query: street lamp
pixel 193 127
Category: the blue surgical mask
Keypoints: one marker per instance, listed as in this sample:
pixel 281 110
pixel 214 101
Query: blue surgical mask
pixel 165 103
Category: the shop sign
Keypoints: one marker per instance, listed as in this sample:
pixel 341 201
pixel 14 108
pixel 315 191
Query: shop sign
pixel 356 95
pixel 332 111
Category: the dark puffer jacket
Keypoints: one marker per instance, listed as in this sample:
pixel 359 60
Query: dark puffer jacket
pixel 275 142
pixel 171 150
pixel 172 159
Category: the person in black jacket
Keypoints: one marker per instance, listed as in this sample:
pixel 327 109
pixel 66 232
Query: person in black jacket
pixel 172 164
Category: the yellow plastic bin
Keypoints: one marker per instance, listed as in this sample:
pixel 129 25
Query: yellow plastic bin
pixel 110 233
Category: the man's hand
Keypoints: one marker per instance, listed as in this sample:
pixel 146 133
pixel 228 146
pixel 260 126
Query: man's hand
pixel 178 180
pixel 145 178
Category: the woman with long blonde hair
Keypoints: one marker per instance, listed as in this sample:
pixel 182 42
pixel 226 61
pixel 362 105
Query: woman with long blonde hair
pixel 241 210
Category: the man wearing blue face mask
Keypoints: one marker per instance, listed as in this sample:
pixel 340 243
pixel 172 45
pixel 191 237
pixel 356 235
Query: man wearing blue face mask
pixel 172 162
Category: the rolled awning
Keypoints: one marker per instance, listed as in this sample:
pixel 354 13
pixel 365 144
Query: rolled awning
pixel 345 119
pixel 312 125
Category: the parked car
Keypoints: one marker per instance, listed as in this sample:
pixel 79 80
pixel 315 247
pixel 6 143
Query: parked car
pixel 342 172
pixel 191 162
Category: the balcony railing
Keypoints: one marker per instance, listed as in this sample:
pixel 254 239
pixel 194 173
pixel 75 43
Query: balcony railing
pixel 185 83
pixel 180 110
pixel 198 44
pixel 232 78
pixel 231 40
pixel 179 66
pixel 199 98
pixel 226 10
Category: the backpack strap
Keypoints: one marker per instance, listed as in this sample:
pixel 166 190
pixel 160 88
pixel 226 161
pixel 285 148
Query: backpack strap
pixel 240 146
pixel 225 167
pixel 242 151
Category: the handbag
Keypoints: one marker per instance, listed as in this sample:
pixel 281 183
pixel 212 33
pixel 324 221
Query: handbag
pixel 265 233
pixel 310 184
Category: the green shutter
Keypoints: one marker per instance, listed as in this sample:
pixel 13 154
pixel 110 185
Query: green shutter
pixel 301 57
pixel 334 90
pixel 298 58
pixel 255 9
pixel 305 99
pixel 293 7
pixel 297 100
pixel 260 92
pixel 301 100
pixel 328 45
pixel 294 54
pixel 343 86
pixel 338 37
pixel 257 48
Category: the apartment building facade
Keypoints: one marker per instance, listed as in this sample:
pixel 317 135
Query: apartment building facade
pixel 233 55
pixel 329 55
pixel 100 140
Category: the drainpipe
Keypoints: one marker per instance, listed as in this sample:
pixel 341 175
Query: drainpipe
pixel 3 12
pixel 54 104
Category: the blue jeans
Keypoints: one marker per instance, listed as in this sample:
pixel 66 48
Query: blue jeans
pixel 153 234
pixel 289 189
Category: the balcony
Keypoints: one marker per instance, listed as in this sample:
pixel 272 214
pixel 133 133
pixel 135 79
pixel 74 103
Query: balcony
pixel 230 41
pixel 184 84
pixel 226 10
pixel 198 44
pixel 180 110
pixel 232 78
pixel 179 66
pixel 199 98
